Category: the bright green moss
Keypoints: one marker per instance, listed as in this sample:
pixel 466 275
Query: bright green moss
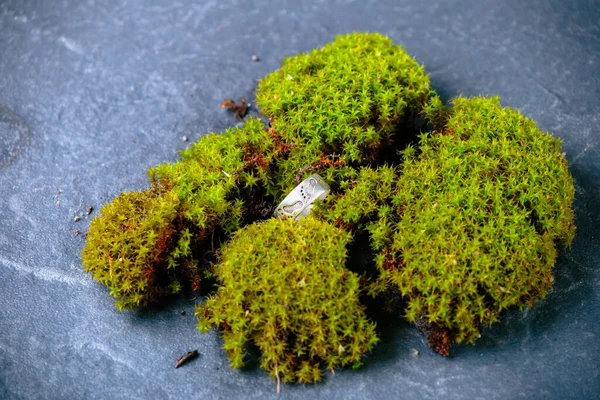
pixel 127 245
pixel 214 173
pixel 284 288
pixel 463 225
pixel 363 202
pixel 483 204
pixel 225 181
pixel 145 241
pixel 341 105
pixel 470 227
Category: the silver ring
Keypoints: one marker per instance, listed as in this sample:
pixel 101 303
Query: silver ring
pixel 299 201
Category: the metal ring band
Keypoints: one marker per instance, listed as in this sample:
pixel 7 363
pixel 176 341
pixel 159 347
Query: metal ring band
pixel 299 202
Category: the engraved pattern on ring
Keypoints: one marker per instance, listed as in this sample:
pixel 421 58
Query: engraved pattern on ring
pixel 299 201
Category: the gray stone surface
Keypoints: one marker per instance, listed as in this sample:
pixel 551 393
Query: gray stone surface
pixel 108 88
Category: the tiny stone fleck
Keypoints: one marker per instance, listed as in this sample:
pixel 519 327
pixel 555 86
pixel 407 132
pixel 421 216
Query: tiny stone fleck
pixel 77 218
pixel 255 58
pixel 185 138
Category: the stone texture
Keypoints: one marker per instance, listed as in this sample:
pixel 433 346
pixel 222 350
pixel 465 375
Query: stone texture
pixel 108 88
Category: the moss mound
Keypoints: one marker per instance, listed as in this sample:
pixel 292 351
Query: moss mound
pixel 284 288
pixel 126 248
pixel 216 174
pixel 467 225
pixel 225 181
pixel 463 225
pixel 165 235
pixel 482 207
pixel 340 106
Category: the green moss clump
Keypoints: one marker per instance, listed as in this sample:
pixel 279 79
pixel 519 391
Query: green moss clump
pixel 340 106
pixel 127 245
pixel 284 288
pixel 225 181
pixel 482 207
pixel 463 225
pixel 470 226
pixel 145 245
pixel 217 173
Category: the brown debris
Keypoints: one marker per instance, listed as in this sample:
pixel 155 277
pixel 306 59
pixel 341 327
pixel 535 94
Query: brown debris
pixel 239 109
pixel 189 356
pixel 390 263
pixel 89 210
pixel 254 160
pixel 281 145
pixel 439 339
pixel 324 162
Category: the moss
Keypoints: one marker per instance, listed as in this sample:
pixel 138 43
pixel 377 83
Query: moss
pixel 225 181
pixel 483 204
pixel 467 225
pixel 215 173
pixel 284 288
pixel 164 235
pixel 341 105
pixel 127 245
pixel 463 225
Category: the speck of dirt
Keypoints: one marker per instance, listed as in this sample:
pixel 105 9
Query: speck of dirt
pixel 255 58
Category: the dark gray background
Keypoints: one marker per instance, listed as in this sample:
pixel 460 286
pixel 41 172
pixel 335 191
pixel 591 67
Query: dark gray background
pixel 108 88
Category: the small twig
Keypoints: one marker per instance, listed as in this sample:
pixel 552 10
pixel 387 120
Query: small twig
pixel 324 162
pixel 308 168
pixel 190 355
